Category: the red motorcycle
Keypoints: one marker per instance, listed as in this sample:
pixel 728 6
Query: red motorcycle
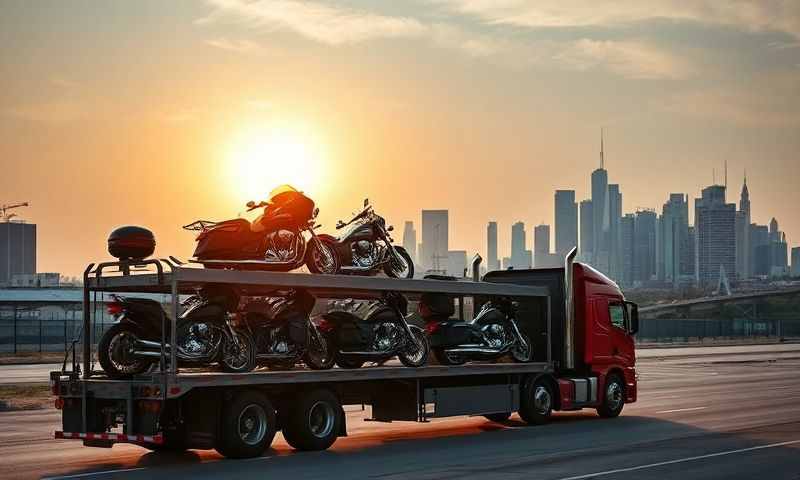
pixel 274 241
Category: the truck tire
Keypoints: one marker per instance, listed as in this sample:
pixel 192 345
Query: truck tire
pixel 247 426
pixel 613 397
pixel 498 417
pixel 536 401
pixel 314 422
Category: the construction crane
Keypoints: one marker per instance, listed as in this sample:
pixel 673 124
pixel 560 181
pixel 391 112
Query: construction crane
pixel 5 216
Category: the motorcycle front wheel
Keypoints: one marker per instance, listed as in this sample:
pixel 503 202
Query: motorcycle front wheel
pixel 402 267
pixel 520 354
pixel 238 358
pixel 416 353
pixel 319 355
pixel 321 257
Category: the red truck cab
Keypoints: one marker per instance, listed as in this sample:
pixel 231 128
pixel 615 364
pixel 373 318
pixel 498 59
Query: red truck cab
pixel 592 335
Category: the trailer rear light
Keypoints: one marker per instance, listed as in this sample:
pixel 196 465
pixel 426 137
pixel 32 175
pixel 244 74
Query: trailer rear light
pixel 114 308
pixel 59 403
pixel 432 328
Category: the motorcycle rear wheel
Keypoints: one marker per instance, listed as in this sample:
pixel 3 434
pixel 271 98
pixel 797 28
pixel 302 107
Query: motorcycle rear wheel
pixel 116 362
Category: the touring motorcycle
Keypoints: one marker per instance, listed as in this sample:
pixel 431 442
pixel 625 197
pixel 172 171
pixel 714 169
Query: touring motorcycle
pixel 205 334
pixel 493 332
pixel 377 336
pixel 283 333
pixel 273 241
pixel 366 247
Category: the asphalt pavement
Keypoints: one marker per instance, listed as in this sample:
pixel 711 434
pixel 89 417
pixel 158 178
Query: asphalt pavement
pixel 698 416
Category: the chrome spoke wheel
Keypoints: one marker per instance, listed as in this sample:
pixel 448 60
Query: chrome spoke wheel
pixel 613 395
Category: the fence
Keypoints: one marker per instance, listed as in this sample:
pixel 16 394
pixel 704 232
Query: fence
pixel 668 330
pixel 55 334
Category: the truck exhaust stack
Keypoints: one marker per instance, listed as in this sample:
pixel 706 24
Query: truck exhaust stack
pixel 476 267
pixel 569 311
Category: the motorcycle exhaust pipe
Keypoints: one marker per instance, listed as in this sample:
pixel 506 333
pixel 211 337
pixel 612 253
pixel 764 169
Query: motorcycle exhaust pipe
pixel 467 350
pixel 476 267
pixel 146 354
pixel 149 344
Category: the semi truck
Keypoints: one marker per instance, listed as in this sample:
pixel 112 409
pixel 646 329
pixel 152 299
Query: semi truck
pixel 580 325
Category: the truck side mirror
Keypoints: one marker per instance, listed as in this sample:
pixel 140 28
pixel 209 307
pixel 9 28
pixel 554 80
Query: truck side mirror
pixel 633 317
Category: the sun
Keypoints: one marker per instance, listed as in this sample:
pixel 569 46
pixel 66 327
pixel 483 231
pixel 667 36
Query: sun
pixel 259 159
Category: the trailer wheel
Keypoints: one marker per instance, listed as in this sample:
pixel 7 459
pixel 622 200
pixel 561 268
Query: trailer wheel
pixel 247 426
pixel 536 401
pixel 498 417
pixel 613 397
pixel 314 422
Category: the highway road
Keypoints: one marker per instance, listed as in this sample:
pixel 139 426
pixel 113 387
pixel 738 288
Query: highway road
pixel 699 416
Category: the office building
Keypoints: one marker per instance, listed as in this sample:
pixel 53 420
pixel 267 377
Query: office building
pixel 795 271
pixel 492 260
pixel 17 250
pixel 715 224
pixel 456 263
pixel 614 234
pixel 644 246
pixel 520 256
pixel 435 243
pixel 627 230
pixel 542 257
pixel 586 231
pixel 674 235
pixel 743 249
pixel 410 240
pixel 566 221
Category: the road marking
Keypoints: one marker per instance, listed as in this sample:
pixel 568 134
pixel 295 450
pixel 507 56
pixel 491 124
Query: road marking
pixel 680 460
pixel 682 410
pixel 89 474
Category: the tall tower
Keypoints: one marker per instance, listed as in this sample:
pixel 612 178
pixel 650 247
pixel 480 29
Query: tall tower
pixel 566 217
pixel 493 263
pixel 743 248
pixel 600 220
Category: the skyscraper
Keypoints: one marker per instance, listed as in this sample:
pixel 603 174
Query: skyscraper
pixel 566 221
pixel 614 234
pixel 435 243
pixel 715 224
pixel 587 234
pixel 674 238
pixel 520 256
pixel 541 245
pixel 410 240
pixel 17 250
pixel 743 248
pixel 644 246
pixel 456 262
pixel 795 272
pixel 492 262
pixel 759 250
pixel 627 230
pixel 600 217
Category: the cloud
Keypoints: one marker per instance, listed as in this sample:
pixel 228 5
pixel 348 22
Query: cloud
pixel 239 46
pixel 322 23
pixel 751 15
pixel 629 59
pixel 52 112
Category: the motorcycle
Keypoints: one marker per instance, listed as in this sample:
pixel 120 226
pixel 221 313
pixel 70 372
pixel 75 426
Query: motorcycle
pixel 205 334
pixel 284 334
pixel 379 335
pixel 493 332
pixel 366 247
pixel 273 241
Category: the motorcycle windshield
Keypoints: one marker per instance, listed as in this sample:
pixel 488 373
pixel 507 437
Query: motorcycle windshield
pixel 280 190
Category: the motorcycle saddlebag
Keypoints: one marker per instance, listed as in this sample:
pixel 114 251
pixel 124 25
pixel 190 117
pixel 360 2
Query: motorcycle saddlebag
pixel 452 334
pixel 131 242
pixel 228 240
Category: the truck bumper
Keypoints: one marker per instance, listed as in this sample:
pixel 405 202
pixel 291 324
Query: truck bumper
pixel 630 385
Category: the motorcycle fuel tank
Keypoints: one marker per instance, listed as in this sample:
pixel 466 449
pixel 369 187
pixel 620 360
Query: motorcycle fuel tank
pixel 362 232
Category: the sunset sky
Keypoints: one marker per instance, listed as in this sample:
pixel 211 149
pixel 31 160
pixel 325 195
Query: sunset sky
pixel 159 113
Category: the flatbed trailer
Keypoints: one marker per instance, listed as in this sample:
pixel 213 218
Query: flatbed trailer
pixel 238 413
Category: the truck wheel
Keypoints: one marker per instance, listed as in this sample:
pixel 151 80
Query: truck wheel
pixel 613 397
pixel 348 363
pixel 247 426
pixel 536 401
pixel 417 354
pixel 314 422
pixel 498 417
pixel 445 358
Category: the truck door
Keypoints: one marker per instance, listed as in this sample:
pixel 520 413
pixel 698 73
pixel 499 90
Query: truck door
pixel 599 347
pixel 621 342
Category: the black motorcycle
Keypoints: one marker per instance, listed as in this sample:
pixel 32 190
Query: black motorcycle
pixel 283 333
pixel 366 247
pixel 493 332
pixel 205 334
pixel 377 336
pixel 273 241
